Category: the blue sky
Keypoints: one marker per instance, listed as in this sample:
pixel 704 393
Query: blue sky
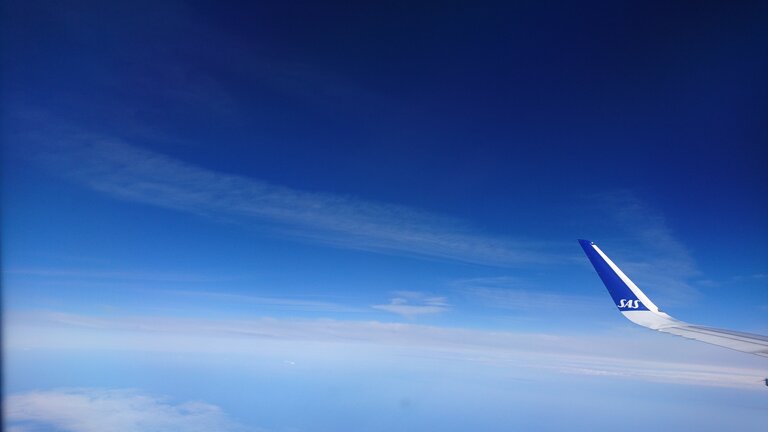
pixel 364 217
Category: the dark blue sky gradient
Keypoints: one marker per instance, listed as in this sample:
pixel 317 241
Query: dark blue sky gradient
pixel 419 104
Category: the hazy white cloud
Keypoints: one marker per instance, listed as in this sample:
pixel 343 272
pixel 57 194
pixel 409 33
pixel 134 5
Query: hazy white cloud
pixel 99 410
pixel 628 353
pixel 130 173
pixel 413 303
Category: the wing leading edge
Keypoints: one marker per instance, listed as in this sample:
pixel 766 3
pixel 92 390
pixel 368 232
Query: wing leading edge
pixel 639 309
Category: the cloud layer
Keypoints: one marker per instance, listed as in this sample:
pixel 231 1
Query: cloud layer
pixel 99 410
pixel 629 354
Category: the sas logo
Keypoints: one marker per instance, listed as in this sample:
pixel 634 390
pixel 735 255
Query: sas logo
pixel 629 304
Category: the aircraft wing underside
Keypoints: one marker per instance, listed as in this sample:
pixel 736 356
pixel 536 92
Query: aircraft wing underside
pixel 746 342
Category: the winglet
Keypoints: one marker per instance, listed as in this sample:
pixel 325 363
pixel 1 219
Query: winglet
pixel 626 295
pixel 638 308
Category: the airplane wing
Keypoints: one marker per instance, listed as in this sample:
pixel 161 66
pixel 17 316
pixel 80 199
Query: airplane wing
pixel 639 309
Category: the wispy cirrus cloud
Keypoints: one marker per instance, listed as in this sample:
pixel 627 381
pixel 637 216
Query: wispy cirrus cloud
pixel 98 410
pixel 652 254
pixel 413 303
pixel 130 173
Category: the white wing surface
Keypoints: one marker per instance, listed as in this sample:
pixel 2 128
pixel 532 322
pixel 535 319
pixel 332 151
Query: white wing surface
pixel 639 309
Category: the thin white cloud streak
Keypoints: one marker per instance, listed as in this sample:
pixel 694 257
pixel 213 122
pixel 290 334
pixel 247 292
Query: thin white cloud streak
pixel 130 173
pixel 511 293
pixel 628 354
pixel 411 304
pixel 161 288
pixel 112 275
pixel 281 303
pixel 99 410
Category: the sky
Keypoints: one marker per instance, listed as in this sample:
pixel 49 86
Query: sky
pixel 303 216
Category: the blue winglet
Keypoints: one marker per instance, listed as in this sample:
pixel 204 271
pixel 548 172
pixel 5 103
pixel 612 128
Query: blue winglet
pixel 622 295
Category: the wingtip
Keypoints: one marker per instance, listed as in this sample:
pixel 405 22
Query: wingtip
pixel 585 243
